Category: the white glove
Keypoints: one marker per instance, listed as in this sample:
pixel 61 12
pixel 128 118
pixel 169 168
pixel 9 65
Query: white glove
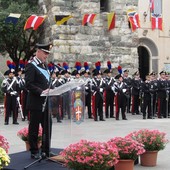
pixel 113 89
pixel 78 88
pixel 56 70
pixel 124 90
pixel 101 90
pixel 86 88
pixel 13 93
pixel 4 81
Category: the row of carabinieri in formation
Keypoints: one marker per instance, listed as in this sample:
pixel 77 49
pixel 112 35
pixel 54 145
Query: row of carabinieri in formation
pixel 106 95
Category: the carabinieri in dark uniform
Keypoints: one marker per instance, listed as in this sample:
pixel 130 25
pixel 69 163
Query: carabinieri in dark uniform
pixel 162 92
pixel 128 82
pixel 37 79
pixel 153 91
pixel 146 99
pixel 136 96
pixel 98 85
pixel 120 98
pixel 88 86
pixel 10 87
pixel 66 74
pixel 109 93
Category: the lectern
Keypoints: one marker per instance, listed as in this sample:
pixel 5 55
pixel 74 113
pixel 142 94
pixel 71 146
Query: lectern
pixel 75 92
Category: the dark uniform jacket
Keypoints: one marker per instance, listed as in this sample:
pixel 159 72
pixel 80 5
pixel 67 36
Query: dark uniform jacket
pixel 136 86
pixel 37 80
pixel 10 86
pixel 162 88
pixel 109 81
pixel 153 86
pixel 98 86
pixel 146 89
pixel 88 85
pixel 128 82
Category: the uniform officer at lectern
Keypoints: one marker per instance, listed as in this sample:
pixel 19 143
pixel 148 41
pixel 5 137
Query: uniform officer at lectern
pixel 37 79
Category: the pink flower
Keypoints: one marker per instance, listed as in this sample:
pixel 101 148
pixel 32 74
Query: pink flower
pixel 153 140
pixel 4 143
pixel 23 134
pixel 92 155
pixel 127 147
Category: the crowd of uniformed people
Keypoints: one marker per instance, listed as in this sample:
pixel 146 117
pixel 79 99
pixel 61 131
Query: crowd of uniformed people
pixel 106 95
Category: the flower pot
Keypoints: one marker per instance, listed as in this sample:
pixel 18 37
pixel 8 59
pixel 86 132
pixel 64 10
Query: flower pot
pixel 125 164
pixel 149 158
pixel 28 145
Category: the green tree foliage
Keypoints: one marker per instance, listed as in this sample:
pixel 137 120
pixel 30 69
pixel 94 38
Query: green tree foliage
pixel 1 93
pixel 14 40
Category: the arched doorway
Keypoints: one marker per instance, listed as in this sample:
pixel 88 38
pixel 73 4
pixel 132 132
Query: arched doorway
pixel 144 61
pixel 148 56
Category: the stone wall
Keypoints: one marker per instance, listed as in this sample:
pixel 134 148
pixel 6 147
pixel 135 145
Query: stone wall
pixel 74 42
pixel 3 65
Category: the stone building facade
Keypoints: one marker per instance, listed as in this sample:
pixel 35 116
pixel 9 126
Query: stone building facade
pixel 74 42
pixel 145 49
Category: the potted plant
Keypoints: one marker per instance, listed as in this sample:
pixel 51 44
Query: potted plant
pixel 129 150
pixel 153 141
pixel 23 134
pixel 4 143
pixel 4 158
pixel 88 155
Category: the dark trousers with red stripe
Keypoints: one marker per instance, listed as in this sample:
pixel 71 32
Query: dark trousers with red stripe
pixel 135 104
pixel 88 104
pixel 98 109
pixel 10 107
pixel 121 103
pixel 109 103
pixel 161 107
pixel 147 106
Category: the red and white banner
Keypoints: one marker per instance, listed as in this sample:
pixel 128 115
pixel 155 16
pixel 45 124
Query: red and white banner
pixel 88 18
pixel 133 19
pixel 156 21
pixel 34 22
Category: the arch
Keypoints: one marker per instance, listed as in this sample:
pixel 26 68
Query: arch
pixel 144 61
pixel 150 44
pixel 148 56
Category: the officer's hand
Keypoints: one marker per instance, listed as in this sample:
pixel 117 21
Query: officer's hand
pixel 46 91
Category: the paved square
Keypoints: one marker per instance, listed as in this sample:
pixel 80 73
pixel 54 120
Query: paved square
pixel 69 132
